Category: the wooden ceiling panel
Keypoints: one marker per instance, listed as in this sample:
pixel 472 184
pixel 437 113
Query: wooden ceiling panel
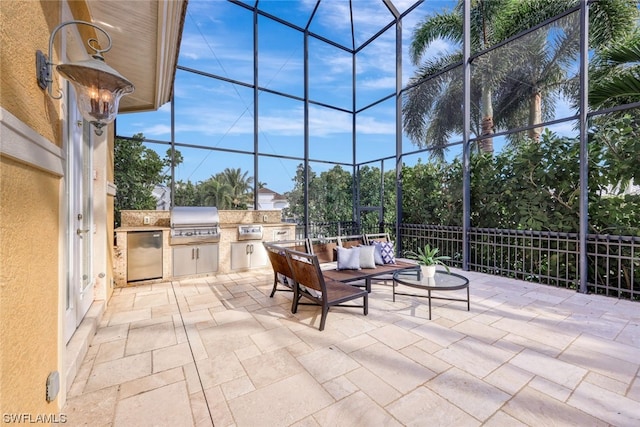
pixel 145 36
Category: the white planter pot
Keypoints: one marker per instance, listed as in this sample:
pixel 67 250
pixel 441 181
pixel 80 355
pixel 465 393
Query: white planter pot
pixel 428 270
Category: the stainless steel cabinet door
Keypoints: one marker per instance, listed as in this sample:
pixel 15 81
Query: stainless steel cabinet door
pixel 195 259
pixel 240 257
pixel 184 260
pixel 248 255
pixel 207 256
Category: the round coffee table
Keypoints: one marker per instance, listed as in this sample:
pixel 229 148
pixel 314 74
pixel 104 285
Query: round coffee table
pixel 442 281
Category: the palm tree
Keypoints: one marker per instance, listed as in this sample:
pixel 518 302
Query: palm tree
pixel 428 110
pixel 240 185
pixel 537 74
pixel 541 74
pixel 516 82
pixel 213 192
pixel 615 73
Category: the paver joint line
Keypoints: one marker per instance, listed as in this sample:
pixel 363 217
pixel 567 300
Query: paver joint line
pixel 192 355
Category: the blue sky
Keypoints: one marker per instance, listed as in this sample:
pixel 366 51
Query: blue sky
pixel 217 39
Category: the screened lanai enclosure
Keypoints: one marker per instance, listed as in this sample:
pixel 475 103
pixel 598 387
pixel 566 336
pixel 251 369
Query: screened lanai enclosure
pixel 506 133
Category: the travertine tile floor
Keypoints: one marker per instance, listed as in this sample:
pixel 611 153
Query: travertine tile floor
pixel 218 351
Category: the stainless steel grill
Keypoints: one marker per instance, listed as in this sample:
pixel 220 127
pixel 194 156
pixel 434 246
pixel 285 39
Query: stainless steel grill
pixel 250 232
pixel 194 224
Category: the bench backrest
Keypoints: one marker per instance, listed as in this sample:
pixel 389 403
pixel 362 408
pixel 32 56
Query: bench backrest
pixel 324 248
pixel 278 259
pixel 376 237
pixel 351 241
pixel 306 270
pixel 301 245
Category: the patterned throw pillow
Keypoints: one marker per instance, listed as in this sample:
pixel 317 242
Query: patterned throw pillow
pixel 387 252
pixel 283 279
pixel 348 259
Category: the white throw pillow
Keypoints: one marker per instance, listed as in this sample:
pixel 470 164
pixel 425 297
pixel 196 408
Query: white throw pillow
pixel 348 259
pixel 377 253
pixel 367 257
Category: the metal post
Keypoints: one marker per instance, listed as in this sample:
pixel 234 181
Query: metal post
pixel 381 210
pixel 255 110
pixel 398 134
pixel 355 181
pixel 466 124
pixel 584 142
pixel 306 133
pixel 173 150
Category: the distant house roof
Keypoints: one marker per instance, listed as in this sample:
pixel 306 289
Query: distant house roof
pixel 276 195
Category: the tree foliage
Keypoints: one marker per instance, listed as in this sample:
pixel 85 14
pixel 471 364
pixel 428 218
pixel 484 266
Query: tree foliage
pixel 137 170
pixel 615 73
pixel 330 196
pixel 229 189
pixel 536 186
pixel 517 84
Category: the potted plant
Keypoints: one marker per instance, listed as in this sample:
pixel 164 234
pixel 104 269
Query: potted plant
pixel 429 258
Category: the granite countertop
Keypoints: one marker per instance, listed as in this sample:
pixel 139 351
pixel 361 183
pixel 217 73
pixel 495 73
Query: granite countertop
pixel 227 225
pixel 264 224
pixel 143 228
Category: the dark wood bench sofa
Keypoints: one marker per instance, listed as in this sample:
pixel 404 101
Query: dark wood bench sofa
pixel 300 272
pixel 309 268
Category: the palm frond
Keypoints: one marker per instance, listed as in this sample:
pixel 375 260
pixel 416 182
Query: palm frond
pixel 447 26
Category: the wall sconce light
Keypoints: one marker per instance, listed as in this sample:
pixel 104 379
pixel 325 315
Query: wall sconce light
pixel 98 86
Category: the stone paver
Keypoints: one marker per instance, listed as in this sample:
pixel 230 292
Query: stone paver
pixel 219 351
pixel 469 393
pixel 168 405
pixel 423 404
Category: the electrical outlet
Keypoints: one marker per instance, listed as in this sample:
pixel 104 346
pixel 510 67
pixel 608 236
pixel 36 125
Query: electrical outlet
pixel 53 386
pixel 146 220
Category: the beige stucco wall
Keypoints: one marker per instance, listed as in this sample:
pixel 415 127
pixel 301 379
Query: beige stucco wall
pixel 26 26
pixel 29 220
pixel 29 208
pixel 32 212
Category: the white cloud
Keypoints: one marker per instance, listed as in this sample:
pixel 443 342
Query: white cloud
pixel 370 125
pixel 388 83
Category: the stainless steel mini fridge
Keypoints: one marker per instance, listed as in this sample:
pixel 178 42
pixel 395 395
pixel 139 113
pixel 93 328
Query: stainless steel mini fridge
pixel 144 255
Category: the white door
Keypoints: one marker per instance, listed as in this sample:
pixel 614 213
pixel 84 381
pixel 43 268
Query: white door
pixel 79 197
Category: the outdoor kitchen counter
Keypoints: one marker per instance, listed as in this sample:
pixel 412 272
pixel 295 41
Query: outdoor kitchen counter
pixel 229 234
pixel 272 231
